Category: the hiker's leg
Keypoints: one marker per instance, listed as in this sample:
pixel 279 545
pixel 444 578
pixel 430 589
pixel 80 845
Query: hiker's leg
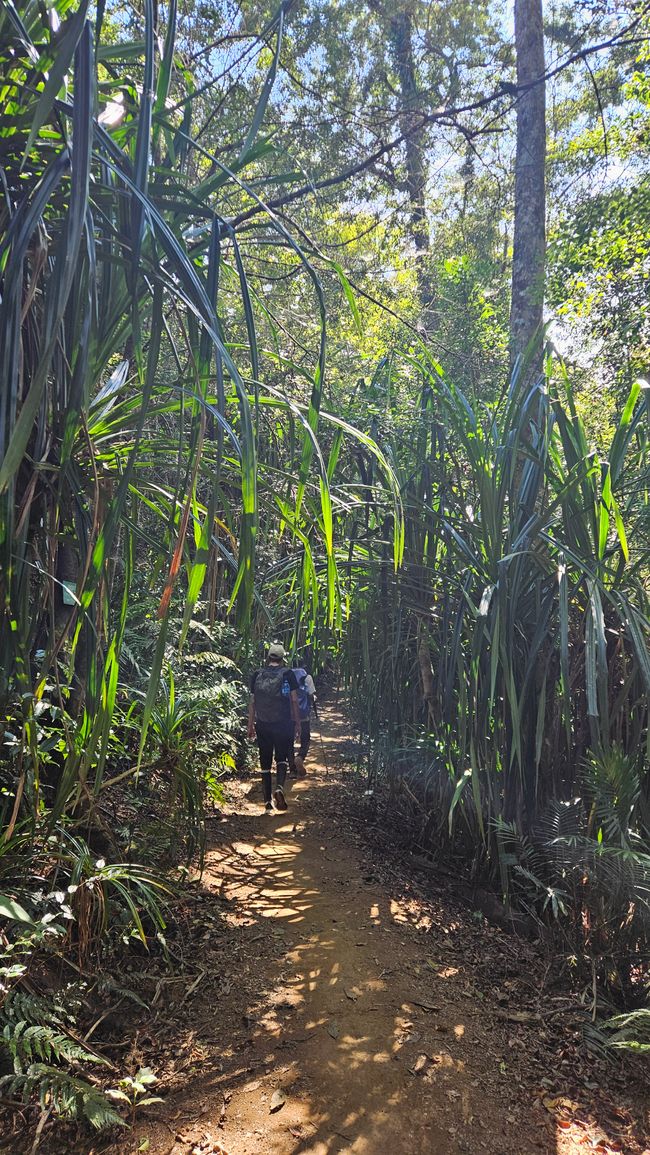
pixel 283 745
pixel 305 737
pixel 265 744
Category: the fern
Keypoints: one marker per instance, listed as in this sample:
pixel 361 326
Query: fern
pixel 612 789
pixel 42 1053
pixel 27 1043
pixel 595 846
pixel 23 1005
pixel 619 874
pixel 517 854
pixel 208 658
pixel 559 819
pixel 70 1096
pixel 631 1031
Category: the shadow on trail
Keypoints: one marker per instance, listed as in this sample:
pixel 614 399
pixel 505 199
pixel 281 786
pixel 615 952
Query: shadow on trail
pixel 327 1022
pixel 333 1022
pixel 349 1001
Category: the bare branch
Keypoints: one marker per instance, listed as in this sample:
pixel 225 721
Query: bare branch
pixel 448 116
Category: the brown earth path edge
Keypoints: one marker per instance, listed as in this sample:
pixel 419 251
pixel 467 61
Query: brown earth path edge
pixel 332 1014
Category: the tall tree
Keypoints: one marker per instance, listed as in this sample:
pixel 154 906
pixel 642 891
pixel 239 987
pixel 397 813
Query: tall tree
pixel 401 36
pixel 526 311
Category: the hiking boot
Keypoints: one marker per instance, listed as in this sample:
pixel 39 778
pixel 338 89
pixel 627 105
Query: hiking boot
pixel 279 799
pixel 300 766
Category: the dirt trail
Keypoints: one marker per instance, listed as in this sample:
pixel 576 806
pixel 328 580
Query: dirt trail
pixel 352 1010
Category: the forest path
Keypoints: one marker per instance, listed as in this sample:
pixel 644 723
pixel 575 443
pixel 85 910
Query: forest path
pixel 340 1017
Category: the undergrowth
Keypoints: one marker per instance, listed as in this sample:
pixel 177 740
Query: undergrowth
pixel 93 885
pixel 49 1062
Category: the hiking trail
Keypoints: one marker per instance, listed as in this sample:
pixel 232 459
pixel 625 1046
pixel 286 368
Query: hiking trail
pixel 329 1007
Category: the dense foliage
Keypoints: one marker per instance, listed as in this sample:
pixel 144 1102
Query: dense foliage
pixel 520 611
pixel 230 408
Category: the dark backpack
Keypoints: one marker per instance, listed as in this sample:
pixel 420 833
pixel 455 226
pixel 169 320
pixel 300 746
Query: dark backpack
pixel 272 696
pixel 304 699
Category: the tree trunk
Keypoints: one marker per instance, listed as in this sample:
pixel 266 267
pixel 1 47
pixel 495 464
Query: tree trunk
pixel 426 673
pixel 401 40
pixel 401 32
pixel 401 36
pixel 526 312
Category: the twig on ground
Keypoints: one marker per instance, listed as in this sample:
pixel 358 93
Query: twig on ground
pixel 101 1018
pixel 45 1114
pixel 190 990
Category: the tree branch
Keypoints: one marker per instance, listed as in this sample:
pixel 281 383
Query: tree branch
pixel 447 116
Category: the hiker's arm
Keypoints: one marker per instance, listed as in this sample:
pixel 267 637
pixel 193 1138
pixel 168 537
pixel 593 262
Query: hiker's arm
pixel 310 687
pixel 295 712
pixel 251 717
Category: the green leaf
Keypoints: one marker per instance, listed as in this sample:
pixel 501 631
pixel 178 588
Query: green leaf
pixel 350 297
pixel 66 44
pixel 9 908
pixel 267 88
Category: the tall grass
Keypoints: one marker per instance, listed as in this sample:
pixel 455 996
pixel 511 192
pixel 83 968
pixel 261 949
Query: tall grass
pixel 513 642
pixel 131 419
pixel 149 464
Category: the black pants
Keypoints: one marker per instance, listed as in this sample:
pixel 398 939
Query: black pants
pixel 278 743
pixel 305 740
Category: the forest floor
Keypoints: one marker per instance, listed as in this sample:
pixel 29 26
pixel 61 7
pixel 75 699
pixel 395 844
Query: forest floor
pixel 327 1000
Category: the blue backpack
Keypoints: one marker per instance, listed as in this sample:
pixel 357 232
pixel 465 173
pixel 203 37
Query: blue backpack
pixel 304 699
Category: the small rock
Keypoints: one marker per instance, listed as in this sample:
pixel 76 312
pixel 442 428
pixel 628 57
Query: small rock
pixel 278 1099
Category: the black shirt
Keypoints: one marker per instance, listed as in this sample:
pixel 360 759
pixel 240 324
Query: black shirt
pixel 284 720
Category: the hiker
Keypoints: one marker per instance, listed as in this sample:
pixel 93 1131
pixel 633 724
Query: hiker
pixel 274 716
pixel 306 702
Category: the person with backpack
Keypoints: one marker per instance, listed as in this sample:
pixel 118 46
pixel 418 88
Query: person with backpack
pixel 274 716
pixel 306 702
